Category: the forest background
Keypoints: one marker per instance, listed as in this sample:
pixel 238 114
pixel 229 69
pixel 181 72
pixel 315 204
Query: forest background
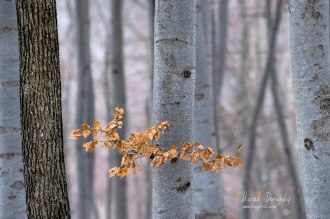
pixel 246 55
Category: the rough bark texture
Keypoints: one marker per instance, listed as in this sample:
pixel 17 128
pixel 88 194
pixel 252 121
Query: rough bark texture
pixel 173 100
pixel 118 189
pixel 12 193
pixel 309 35
pixel 41 122
pixel 208 193
pixel 84 111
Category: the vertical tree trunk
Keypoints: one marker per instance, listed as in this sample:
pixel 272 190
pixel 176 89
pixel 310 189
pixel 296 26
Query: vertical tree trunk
pixel 219 60
pixel 151 19
pixel 242 91
pixel 151 16
pixel 12 198
pixel 309 35
pixel 258 106
pixel 287 146
pixel 84 111
pixel 40 90
pixel 173 100
pixel 221 47
pixel 109 106
pixel 118 190
pixel 208 192
pixel 275 87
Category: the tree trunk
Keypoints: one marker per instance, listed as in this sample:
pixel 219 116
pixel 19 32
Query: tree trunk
pixel 287 146
pixel 173 100
pixel 208 192
pixel 258 106
pixel 221 48
pixel 84 111
pixel 309 35
pixel 40 90
pixel 219 60
pixel 118 189
pixel 151 16
pixel 242 90
pixel 12 198
pixel 107 79
pixel 275 88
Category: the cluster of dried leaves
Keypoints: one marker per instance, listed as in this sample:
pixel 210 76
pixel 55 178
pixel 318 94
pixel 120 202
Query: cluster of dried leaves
pixel 140 145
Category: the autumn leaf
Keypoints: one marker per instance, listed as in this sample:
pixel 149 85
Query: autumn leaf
pixel 120 124
pixel 206 166
pixel 96 124
pixel 157 161
pixel 123 171
pixel 90 146
pixel 96 132
pixel 75 134
pixel 113 171
pixel 198 146
pixel 86 133
pixel 195 157
pixel 172 152
pixel 86 127
pixel 141 144
pixel 136 167
pixel 120 110
pixel 112 126
pixel 216 166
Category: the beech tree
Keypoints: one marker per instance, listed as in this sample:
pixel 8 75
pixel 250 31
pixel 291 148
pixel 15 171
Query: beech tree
pixel 41 113
pixel 309 37
pixel 173 100
pixel 151 22
pixel 251 150
pixel 12 198
pixel 84 111
pixel 118 186
pixel 208 193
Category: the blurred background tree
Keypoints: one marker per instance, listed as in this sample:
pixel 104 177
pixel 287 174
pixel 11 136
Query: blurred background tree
pixel 240 51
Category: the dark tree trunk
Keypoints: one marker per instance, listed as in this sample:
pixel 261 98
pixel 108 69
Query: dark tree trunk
pixel 40 87
pixel 118 189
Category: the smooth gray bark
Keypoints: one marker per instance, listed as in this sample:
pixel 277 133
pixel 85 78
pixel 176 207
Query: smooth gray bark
pixel 219 59
pixel 258 107
pixel 309 39
pixel 242 90
pixel 151 17
pixel 288 152
pixel 84 111
pixel 293 173
pixel 118 186
pixel 41 110
pixel 221 47
pixel 208 193
pixel 12 192
pixel 173 100
pixel 107 76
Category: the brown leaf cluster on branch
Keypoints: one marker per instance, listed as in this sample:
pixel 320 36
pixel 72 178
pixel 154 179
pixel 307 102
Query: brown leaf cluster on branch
pixel 140 145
